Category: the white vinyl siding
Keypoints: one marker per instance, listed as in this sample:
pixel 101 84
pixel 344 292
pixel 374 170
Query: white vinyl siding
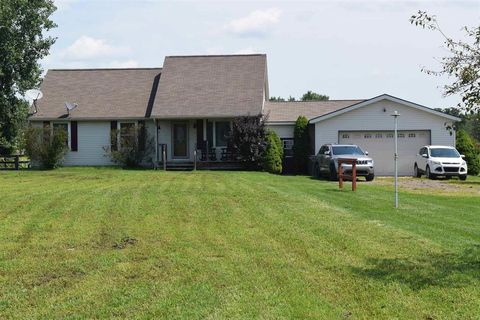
pixel 92 137
pixel 283 131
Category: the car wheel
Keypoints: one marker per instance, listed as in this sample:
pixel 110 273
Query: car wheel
pixel 316 171
pixel 370 177
pixel 416 172
pixel 463 177
pixel 429 174
pixel 333 172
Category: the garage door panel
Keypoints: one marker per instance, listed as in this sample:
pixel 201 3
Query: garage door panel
pixel 380 146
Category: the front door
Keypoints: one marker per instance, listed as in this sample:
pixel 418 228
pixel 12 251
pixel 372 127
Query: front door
pixel 180 140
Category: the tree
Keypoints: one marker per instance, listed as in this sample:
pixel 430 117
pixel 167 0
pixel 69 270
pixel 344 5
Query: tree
pixel 470 122
pixel 273 157
pixel 248 139
pixel 23 44
pixel 276 99
pixel 313 96
pixel 462 65
pixel 466 145
pixel 301 145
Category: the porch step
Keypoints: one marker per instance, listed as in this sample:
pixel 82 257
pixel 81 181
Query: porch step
pixel 180 166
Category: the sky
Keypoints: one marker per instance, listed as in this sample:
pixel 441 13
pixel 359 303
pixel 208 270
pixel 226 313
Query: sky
pixel 344 49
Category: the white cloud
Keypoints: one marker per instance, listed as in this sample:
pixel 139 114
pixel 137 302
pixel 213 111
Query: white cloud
pixel 124 64
pixel 257 23
pixel 87 47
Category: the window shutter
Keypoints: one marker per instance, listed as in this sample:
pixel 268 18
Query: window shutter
pixel 142 135
pixel 113 135
pixel 74 135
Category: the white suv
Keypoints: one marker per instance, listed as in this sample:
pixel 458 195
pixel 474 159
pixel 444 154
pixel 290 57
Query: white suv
pixel 434 161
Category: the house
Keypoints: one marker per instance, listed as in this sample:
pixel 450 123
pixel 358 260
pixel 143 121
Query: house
pixel 187 107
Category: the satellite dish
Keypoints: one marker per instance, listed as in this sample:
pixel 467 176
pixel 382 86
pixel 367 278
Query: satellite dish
pixel 34 95
pixel 70 106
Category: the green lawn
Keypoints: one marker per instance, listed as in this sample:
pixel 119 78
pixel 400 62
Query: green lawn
pixel 98 243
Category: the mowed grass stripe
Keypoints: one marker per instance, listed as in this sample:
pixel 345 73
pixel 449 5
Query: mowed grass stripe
pixel 232 245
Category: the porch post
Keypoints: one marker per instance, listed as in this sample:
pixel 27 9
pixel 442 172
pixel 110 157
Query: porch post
pixel 205 129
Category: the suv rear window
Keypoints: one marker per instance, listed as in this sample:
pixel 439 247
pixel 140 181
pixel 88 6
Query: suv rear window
pixel 341 150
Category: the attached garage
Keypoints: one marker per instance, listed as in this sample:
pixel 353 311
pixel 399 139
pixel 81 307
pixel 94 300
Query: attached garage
pixel 380 146
pixel 369 124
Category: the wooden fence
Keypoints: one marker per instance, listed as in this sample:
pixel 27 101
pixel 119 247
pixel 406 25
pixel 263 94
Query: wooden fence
pixel 14 162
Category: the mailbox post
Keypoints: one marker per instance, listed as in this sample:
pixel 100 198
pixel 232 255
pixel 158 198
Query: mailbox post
pixel 342 175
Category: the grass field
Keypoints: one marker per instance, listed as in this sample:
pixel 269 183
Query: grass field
pixel 106 243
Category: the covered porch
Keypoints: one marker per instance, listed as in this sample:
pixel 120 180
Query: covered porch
pixel 194 143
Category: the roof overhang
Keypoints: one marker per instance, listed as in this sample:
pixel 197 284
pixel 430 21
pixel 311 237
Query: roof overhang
pixel 87 119
pixel 380 98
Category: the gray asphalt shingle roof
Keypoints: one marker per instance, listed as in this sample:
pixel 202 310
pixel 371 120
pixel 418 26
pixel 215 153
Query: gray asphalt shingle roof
pixel 290 110
pixel 211 86
pixel 99 93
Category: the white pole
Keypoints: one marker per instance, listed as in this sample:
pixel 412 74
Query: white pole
pixel 395 156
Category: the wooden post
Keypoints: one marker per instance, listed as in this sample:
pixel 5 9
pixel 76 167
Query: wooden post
pixel 354 176
pixel 17 158
pixel 195 160
pixel 164 158
pixel 340 174
pixel 207 150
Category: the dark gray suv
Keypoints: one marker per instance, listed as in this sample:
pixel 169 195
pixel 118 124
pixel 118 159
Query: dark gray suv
pixel 326 161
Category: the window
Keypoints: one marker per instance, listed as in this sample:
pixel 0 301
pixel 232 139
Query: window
pixel 288 144
pixel 222 129
pixel 378 135
pixel 389 135
pixel 127 135
pixel 345 136
pixel 411 135
pixel 61 126
pixel 401 135
pixel 287 147
pixel 367 136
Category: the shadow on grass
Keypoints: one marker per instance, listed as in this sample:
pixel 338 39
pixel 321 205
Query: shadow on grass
pixel 431 270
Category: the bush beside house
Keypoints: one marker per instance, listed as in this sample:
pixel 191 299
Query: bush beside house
pixel 134 151
pixel 301 145
pixel 248 140
pixel 466 145
pixel 46 148
pixel 272 161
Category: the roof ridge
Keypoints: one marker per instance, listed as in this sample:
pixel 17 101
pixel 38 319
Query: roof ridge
pixel 107 69
pixel 217 55
pixel 331 100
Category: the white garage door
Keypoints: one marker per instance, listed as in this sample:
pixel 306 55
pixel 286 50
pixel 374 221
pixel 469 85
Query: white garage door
pixel 380 146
